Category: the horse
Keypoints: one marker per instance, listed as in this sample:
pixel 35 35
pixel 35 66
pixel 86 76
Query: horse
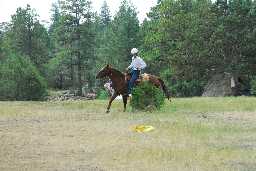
pixel 119 83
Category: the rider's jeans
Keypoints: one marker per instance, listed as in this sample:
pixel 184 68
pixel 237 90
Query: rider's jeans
pixel 135 76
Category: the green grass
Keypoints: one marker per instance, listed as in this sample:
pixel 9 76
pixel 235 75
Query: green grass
pixel 190 134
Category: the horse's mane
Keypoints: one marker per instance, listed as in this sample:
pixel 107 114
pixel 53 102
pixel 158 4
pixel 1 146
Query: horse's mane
pixel 119 73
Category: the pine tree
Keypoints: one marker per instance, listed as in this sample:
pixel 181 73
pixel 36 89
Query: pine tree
pixel 28 37
pixel 78 19
pixel 105 16
pixel 126 28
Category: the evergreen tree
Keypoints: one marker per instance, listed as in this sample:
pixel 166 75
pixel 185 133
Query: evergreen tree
pixel 126 28
pixel 174 42
pixel 20 79
pixel 105 16
pixel 28 37
pixel 59 68
pixel 104 36
pixel 77 18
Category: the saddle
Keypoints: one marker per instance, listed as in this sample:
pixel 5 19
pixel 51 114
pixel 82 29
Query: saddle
pixel 129 75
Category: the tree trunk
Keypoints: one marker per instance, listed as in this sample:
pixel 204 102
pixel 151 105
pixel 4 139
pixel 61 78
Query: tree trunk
pixel 79 60
pixel 79 73
pixel 29 50
pixel 72 73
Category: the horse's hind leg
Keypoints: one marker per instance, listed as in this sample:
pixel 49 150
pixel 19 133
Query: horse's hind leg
pixel 125 101
pixel 110 102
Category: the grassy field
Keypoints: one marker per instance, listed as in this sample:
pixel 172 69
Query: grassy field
pixel 190 134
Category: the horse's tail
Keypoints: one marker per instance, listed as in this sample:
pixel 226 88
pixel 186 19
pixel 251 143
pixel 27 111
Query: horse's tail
pixel 165 89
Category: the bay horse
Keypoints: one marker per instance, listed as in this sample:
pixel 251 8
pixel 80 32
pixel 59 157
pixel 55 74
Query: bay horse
pixel 119 83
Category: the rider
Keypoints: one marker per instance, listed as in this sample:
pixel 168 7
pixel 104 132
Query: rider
pixel 136 66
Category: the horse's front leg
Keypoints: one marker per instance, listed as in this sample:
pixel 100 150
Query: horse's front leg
pixel 125 101
pixel 110 102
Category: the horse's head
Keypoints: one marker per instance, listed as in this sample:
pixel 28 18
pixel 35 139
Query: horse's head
pixel 104 72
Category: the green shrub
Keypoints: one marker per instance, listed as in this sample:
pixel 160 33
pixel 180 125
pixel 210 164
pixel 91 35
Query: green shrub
pixel 253 86
pixel 102 94
pixel 180 87
pixel 190 88
pixel 20 80
pixel 56 72
pixel 147 97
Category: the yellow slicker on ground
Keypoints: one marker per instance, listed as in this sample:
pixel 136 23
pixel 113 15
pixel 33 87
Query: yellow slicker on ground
pixel 143 128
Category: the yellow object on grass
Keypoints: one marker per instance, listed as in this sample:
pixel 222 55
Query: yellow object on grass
pixel 143 128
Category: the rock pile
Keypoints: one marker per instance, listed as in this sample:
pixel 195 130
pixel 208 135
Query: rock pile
pixel 67 95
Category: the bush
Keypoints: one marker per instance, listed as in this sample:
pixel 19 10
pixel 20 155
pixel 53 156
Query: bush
pixel 20 80
pixel 253 86
pixel 147 97
pixel 57 74
pixel 184 88
pixel 102 94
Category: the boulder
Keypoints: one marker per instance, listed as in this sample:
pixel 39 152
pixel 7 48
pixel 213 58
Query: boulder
pixel 221 85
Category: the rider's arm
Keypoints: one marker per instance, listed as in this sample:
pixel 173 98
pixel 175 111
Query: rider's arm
pixel 142 63
pixel 130 66
pixel 133 64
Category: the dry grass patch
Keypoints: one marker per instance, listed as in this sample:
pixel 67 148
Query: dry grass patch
pixel 190 134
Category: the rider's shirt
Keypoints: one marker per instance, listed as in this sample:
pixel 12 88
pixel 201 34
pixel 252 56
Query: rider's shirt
pixel 137 63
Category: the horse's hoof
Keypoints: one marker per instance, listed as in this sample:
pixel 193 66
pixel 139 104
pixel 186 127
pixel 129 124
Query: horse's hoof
pixel 107 111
